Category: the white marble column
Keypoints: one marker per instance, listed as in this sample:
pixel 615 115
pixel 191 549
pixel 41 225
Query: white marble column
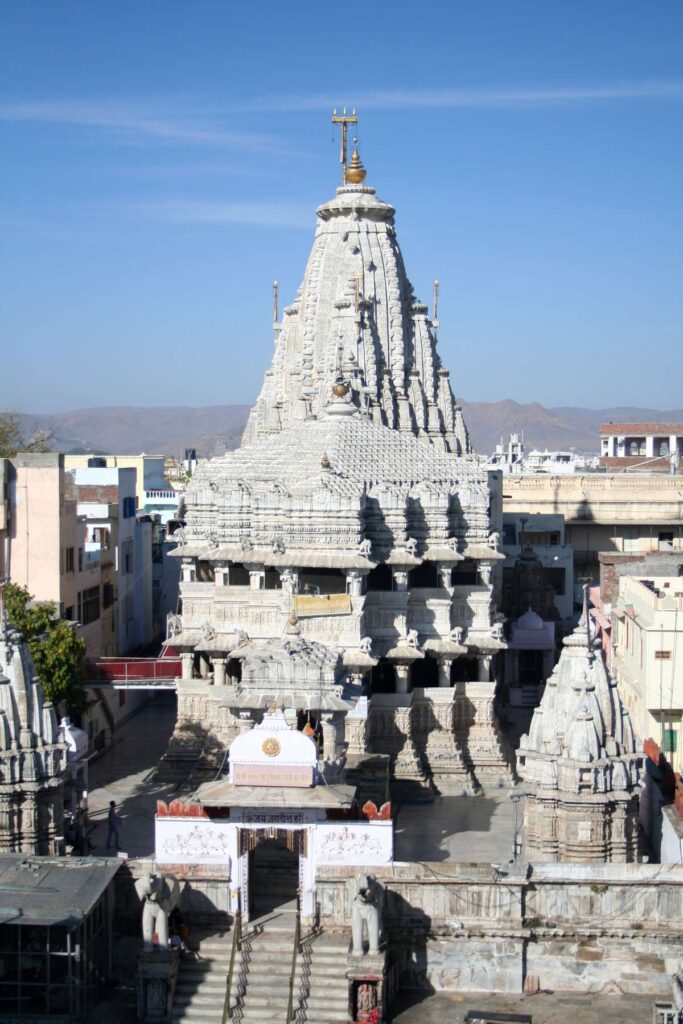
pixel 445 671
pixel 402 678
pixel 400 579
pixel 186 659
pixel 354 583
pixel 484 673
pixel 218 671
pixel 329 730
pixel 257 579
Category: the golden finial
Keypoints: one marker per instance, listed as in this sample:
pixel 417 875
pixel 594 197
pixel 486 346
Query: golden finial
pixel 355 172
pixel 345 120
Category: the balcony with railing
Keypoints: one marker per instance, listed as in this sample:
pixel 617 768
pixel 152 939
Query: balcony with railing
pixel 133 673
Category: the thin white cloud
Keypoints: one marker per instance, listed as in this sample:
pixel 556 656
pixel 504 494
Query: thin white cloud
pixel 136 123
pixel 262 214
pixel 399 99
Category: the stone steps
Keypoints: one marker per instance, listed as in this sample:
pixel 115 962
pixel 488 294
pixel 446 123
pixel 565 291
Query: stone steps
pixel 262 973
pixel 200 988
pixel 323 988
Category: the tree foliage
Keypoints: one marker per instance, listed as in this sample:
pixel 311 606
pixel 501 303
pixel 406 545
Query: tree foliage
pixel 57 651
pixel 12 439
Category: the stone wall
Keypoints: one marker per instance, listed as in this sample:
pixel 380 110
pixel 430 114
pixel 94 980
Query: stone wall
pixel 583 928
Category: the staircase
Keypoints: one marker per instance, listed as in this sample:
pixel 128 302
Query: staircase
pixel 322 986
pixel 260 991
pixel 200 989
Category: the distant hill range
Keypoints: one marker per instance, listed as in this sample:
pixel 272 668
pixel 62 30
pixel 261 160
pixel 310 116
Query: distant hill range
pixel 168 430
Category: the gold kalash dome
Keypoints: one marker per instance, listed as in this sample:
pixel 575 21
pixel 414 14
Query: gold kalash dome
pixel 353 173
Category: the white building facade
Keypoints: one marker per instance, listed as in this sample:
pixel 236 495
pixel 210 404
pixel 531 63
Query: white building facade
pixel 647 660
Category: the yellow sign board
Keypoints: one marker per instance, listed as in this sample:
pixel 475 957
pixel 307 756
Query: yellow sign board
pixel 322 604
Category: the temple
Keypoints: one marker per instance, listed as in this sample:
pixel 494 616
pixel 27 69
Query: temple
pixel 343 562
pixel 32 754
pixel 580 763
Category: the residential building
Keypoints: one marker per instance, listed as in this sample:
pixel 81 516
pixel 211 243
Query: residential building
pixel 149 471
pixel 513 458
pixel 106 497
pixel 641 447
pixel 46 546
pixel 544 535
pixel 647 658
pixel 604 512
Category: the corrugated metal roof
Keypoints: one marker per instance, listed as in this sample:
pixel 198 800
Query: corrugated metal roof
pixel 52 890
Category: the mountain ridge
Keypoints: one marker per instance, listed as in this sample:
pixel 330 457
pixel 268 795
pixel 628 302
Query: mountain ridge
pixel 168 430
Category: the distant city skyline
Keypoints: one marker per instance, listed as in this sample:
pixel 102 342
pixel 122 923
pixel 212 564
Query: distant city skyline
pixel 163 163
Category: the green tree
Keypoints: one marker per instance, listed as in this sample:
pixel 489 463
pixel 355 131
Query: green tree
pixel 10 435
pixel 57 651
pixel 12 439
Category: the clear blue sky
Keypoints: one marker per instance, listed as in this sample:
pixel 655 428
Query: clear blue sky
pixel 162 160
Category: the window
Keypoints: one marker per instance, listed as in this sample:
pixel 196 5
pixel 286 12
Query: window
pixel 509 534
pixel 69 613
pixel 80 559
pixel 107 595
pixel 70 561
pixel 670 744
pixel 128 507
pixel 90 605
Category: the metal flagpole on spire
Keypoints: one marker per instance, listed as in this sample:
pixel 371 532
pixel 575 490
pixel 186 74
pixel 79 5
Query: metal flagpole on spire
pixel 344 120
pixel 276 311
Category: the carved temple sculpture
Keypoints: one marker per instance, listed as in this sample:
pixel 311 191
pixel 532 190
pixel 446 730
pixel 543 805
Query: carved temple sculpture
pixel 159 895
pixel 580 763
pixel 366 918
pixel 350 546
pixel 32 754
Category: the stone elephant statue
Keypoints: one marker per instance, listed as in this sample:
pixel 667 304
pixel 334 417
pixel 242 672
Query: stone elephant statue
pixel 159 895
pixel 366 915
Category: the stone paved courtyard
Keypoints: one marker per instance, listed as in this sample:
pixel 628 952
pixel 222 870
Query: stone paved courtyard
pixel 451 828
pixel 123 774
pixel 544 1008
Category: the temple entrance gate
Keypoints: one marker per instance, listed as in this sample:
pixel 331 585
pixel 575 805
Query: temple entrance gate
pixel 272 862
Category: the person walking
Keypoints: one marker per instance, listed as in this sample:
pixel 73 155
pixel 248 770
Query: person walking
pixel 114 824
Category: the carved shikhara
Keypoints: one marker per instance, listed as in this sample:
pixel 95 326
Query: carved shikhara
pixel 303 549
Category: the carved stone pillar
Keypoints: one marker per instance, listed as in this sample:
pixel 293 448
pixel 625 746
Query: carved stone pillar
pixel 401 678
pixel 329 730
pixel 356 727
pixel 188 571
pixel 400 577
pixel 245 722
pixel 445 572
pixel 445 671
pixel 186 658
pixel 257 579
pixel 354 583
pixel 485 569
pixel 289 579
pixel 218 671
pixel 484 669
